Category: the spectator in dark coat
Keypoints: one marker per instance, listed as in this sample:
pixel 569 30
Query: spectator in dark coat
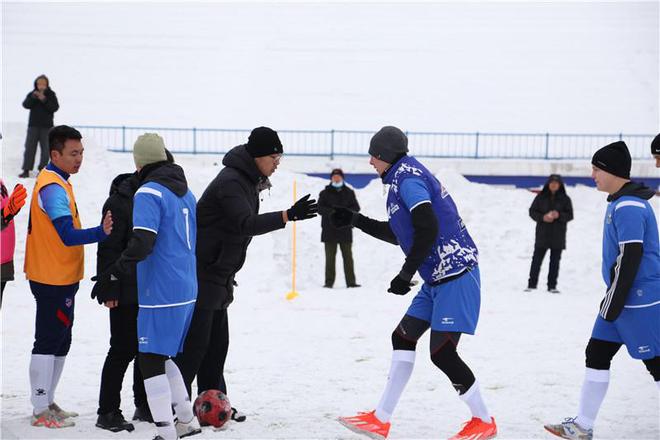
pixel 42 103
pixel 337 194
pixel 227 219
pixel 551 210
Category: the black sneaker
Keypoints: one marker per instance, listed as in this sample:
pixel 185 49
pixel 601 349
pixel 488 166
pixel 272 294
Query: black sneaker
pixel 353 285
pixel 529 289
pixel 24 175
pixel 114 421
pixel 143 414
pixel 553 290
pixel 328 286
pixel 237 416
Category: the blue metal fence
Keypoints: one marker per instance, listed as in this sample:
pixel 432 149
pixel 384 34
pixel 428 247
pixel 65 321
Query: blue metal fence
pixel 333 143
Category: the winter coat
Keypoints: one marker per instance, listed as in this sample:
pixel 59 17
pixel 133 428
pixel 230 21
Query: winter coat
pixel 227 219
pixel 328 199
pixel 8 240
pixel 41 113
pixel 120 203
pixel 551 235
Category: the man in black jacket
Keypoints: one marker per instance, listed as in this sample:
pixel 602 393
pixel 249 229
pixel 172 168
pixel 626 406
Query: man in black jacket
pixel 227 219
pixel 123 307
pixel 42 103
pixel 551 210
pixel 337 194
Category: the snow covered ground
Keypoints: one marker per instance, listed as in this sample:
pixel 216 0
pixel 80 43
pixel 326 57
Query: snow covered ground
pixel 294 366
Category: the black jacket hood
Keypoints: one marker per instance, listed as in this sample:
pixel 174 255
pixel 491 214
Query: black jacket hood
pixel 125 184
pixel 633 189
pixel 42 77
pixel 170 175
pixel 239 159
pixel 554 178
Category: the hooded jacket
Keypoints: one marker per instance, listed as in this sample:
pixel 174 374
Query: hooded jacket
pixel 120 203
pixel 41 113
pixel 551 235
pixel 328 199
pixel 227 219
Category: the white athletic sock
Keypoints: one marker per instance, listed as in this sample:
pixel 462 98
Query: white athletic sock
pixel 474 401
pixel 41 376
pixel 159 398
pixel 403 362
pixel 594 389
pixel 58 366
pixel 180 398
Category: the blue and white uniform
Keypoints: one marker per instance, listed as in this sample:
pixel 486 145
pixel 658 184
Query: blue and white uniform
pixel 167 278
pixel 450 297
pixel 631 219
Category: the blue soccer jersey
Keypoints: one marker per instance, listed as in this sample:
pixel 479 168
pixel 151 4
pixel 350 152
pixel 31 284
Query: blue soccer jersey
pixel 168 276
pixel 631 219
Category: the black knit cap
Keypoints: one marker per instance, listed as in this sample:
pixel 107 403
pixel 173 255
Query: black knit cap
pixel 614 159
pixel 337 171
pixel 655 145
pixel 263 141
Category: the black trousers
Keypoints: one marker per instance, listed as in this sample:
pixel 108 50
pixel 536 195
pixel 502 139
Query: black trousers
pixel 205 351
pixel 36 135
pixel 331 256
pixel 537 260
pixel 123 350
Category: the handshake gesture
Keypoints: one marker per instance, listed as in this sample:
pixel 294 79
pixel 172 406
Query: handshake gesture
pixel 303 209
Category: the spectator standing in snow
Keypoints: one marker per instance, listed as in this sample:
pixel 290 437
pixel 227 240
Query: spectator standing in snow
pixel 42 103
pixel 551 210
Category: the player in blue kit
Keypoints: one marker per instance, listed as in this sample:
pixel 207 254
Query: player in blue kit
pixel 630 312
pixel 163 248
pixel 424 221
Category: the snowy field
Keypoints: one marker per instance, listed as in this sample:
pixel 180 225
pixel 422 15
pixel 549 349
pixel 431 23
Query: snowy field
pixel 294 366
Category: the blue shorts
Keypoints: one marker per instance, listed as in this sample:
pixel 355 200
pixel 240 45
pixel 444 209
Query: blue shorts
pixel 637 328
pixel 452 306
pixel 163 330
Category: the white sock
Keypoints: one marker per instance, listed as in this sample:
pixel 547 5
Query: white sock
pixel 58 366
pixel 159 397
pixel 180 398
pixel 41 376
pixel 474 401
pixel 403 362
pixel 594 389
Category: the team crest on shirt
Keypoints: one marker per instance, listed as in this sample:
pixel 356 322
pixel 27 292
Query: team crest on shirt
pixel 608 219
pixel 643 349
pixel 68 302
pixel 143 340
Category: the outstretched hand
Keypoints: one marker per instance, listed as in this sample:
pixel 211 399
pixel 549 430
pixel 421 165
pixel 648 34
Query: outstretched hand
pixel 303 209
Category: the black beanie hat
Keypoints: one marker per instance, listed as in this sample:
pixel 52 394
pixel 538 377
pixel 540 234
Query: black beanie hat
pixel 389 144
pixel 655 145
pixel 263 141
pixel 337 171
pixel 614 159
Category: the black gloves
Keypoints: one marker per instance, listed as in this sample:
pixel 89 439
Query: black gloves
pixel 106 287
pixel 303 209
pixel 342 217
pixel 399 285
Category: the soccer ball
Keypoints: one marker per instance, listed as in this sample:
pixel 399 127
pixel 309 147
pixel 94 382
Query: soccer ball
pixel 212 408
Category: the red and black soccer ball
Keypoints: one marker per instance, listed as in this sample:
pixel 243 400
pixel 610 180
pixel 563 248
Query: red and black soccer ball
pixel 212 407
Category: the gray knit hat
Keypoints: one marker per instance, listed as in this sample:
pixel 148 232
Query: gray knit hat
pixel 149 148
pixel 389 144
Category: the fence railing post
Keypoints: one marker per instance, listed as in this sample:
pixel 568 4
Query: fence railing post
pixel 332 144
pixel 476 145
pixel 194 140
pixel 123 138
pixel 620 136
pixel 547 144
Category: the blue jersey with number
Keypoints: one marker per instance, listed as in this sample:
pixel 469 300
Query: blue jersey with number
pixel 631 219
pixel 168 276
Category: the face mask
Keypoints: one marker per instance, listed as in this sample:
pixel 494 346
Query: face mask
pixel 337 184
